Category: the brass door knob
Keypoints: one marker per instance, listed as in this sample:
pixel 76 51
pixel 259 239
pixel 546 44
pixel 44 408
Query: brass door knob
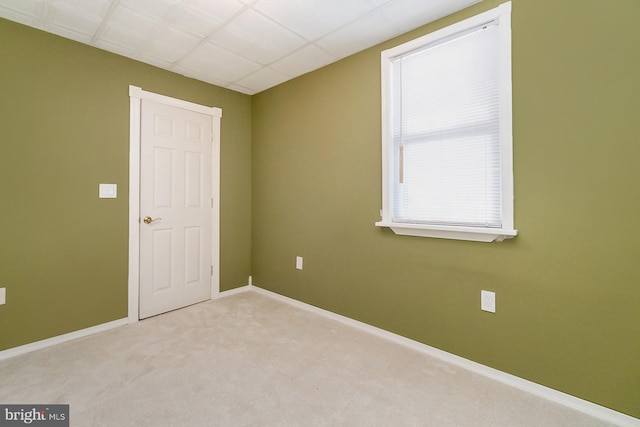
pixel 148 220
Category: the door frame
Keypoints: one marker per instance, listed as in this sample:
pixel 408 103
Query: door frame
pixel 136 95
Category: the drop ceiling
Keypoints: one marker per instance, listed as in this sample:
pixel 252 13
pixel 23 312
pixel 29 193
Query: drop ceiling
pixel 243 45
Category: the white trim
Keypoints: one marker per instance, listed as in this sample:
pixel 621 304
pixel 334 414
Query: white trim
pixel 216 114
pixel 136 92
pixel 581 405
pixel 556 396
pixel 136 96
pixel 28 348
pixel 478 234
pixel 506 119
pixel 134 206
pixel 502 14
pixel 230 292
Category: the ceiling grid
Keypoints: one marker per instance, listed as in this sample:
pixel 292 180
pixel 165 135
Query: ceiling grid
pixel 243 45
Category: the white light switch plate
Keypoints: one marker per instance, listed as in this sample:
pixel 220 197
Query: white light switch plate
pixel 488 301
pixel 299 262
pixel 108 191
pixel 3 296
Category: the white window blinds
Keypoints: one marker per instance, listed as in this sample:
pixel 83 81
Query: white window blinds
pixel 446 131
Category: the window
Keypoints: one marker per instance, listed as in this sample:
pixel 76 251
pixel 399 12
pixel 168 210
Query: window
pixel 446 124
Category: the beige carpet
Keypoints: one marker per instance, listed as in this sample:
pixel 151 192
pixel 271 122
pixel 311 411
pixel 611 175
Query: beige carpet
pixel 250 360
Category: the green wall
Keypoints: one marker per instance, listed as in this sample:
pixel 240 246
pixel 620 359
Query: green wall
pixel 64 128
pixel 567 288
pixel 301 176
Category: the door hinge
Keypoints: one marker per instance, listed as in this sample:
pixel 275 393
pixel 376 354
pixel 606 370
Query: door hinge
pixel 212 202
pixel 212 270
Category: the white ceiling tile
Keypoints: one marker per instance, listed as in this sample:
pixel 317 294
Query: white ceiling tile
pixel 314 18
pixel 172 44
pixel 307 59
pixel 158 62
pixel 131 22
pixel 195 23
pixel 92 7
pixel 209 78
pixel 257 38
pixel 156 9
pixel 69 34
pixel 22 18
pixel 220 10
pixel 407 15
pixel 244 45
pixel 204 16
pixel 212 60
pixel 377 3
pixel 116 48
pixel 263 79
pixel 74 20
pixel 372 29
pixel 241 89
pixel 28 8
pixel 122 37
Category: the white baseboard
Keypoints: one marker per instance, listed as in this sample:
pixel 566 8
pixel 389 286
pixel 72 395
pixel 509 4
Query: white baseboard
pixel 241 289
pixel 556 396
pixel 27 348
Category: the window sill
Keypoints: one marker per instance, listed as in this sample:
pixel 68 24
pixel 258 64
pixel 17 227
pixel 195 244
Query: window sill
pixel 448 232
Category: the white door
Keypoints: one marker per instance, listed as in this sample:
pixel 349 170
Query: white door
pixel 175 208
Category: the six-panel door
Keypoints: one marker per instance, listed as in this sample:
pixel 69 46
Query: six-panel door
pixel 175 199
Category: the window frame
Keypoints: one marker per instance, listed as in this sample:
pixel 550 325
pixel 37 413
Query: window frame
pixel 502 15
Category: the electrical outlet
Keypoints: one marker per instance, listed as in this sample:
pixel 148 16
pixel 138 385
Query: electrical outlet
pixel 299 262
pixel 3 296
pixel 488 301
